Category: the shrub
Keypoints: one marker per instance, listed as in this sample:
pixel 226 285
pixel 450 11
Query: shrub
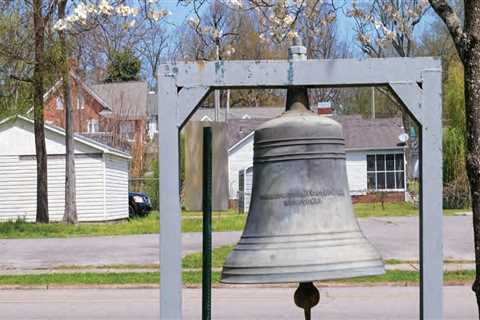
pixel 456 194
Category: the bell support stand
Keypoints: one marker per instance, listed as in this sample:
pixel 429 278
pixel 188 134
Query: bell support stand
pixel 415 81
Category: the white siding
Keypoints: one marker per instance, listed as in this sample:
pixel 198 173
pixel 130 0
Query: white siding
pixel 241 157
pixel 116 187
pixel 19 140
pixel 357 172
pixel 90 189
pixel 18 177
pixel 18 187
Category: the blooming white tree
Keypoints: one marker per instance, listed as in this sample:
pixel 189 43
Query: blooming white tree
pixel 314 22
pixel 383 24
pixel 277 23
pixel 86 14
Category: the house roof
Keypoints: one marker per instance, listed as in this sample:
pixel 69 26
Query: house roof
pixel 359 133
pixel 240 113
pixel 82 84
pixel 78 138
pixel 127 99
pixel 368 134
pixel 91 92
pixel 238 129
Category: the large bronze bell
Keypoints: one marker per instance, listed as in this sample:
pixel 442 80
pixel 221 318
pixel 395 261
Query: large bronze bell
pixel 301 226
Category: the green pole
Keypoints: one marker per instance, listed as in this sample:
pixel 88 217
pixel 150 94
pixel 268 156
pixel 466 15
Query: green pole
pixel 207 224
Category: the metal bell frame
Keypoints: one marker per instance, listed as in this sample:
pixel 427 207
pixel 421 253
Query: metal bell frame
pixel 415 81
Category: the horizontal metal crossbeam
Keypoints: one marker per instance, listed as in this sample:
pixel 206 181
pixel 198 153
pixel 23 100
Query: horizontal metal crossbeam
pixel 311 73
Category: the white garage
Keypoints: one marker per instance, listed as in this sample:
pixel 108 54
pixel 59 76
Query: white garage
pixel 101 175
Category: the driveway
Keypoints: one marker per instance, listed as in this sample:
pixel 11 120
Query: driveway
pixel 394 237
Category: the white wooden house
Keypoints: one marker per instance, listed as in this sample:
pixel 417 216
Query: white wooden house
pixel 101 175
pixel 375 158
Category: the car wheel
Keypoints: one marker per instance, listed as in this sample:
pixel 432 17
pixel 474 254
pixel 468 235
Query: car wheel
pixel 131 212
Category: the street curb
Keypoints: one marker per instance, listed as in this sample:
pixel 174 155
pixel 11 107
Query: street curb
pixel 221 286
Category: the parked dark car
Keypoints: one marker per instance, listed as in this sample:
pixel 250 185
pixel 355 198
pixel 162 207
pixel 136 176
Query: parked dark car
pixel 139 204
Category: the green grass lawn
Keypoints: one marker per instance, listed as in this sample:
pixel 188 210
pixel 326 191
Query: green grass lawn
pixel 191 222
pixel 22 229
pixel 194 260
pixel 195 278
pixel 90 278
pixel 392 209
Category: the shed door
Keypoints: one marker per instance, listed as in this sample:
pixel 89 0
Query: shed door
pixel 248 187
pixel 244 189
pixel 241 185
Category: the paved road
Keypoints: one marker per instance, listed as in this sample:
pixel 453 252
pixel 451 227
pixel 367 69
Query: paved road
pixel 393 303
pixel 31 254
pixel 394 237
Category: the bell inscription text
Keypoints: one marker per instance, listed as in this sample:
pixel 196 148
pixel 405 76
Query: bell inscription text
pixel 303 197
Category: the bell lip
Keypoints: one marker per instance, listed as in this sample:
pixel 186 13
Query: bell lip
pixel 302 277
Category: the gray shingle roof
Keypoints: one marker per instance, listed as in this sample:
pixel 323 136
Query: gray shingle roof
pixel 127 99
pixel 240 128
pixel 240 113
pixel 359 133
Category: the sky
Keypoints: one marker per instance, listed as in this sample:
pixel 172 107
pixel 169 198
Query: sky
pixel 345 25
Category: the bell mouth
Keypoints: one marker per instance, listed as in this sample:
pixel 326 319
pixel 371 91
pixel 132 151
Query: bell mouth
pixel 301 259
pixel 270 275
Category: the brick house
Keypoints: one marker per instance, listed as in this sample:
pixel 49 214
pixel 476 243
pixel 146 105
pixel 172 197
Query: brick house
pixel 88 107
pixel 109 108
pixel 111 113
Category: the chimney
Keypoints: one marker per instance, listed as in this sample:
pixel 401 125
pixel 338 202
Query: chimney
pixel 324 108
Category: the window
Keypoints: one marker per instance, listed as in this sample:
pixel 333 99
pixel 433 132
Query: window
pixel 385 171
pixel 93 126
pixel 80 101
pixel 59 103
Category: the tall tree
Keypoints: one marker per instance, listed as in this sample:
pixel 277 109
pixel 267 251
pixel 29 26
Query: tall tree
pixel 38 80
pixel 31 31
pixel 123 66
pixel 467 42
pixel 70 213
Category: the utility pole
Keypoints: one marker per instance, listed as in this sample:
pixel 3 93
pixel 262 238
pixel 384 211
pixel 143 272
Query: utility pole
pixel 373 102
pixel 227 109
pixel 217 92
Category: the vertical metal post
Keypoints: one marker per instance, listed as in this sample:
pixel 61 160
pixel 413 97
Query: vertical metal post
pixel 207 224
pixel 431 214
pixel 169 196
